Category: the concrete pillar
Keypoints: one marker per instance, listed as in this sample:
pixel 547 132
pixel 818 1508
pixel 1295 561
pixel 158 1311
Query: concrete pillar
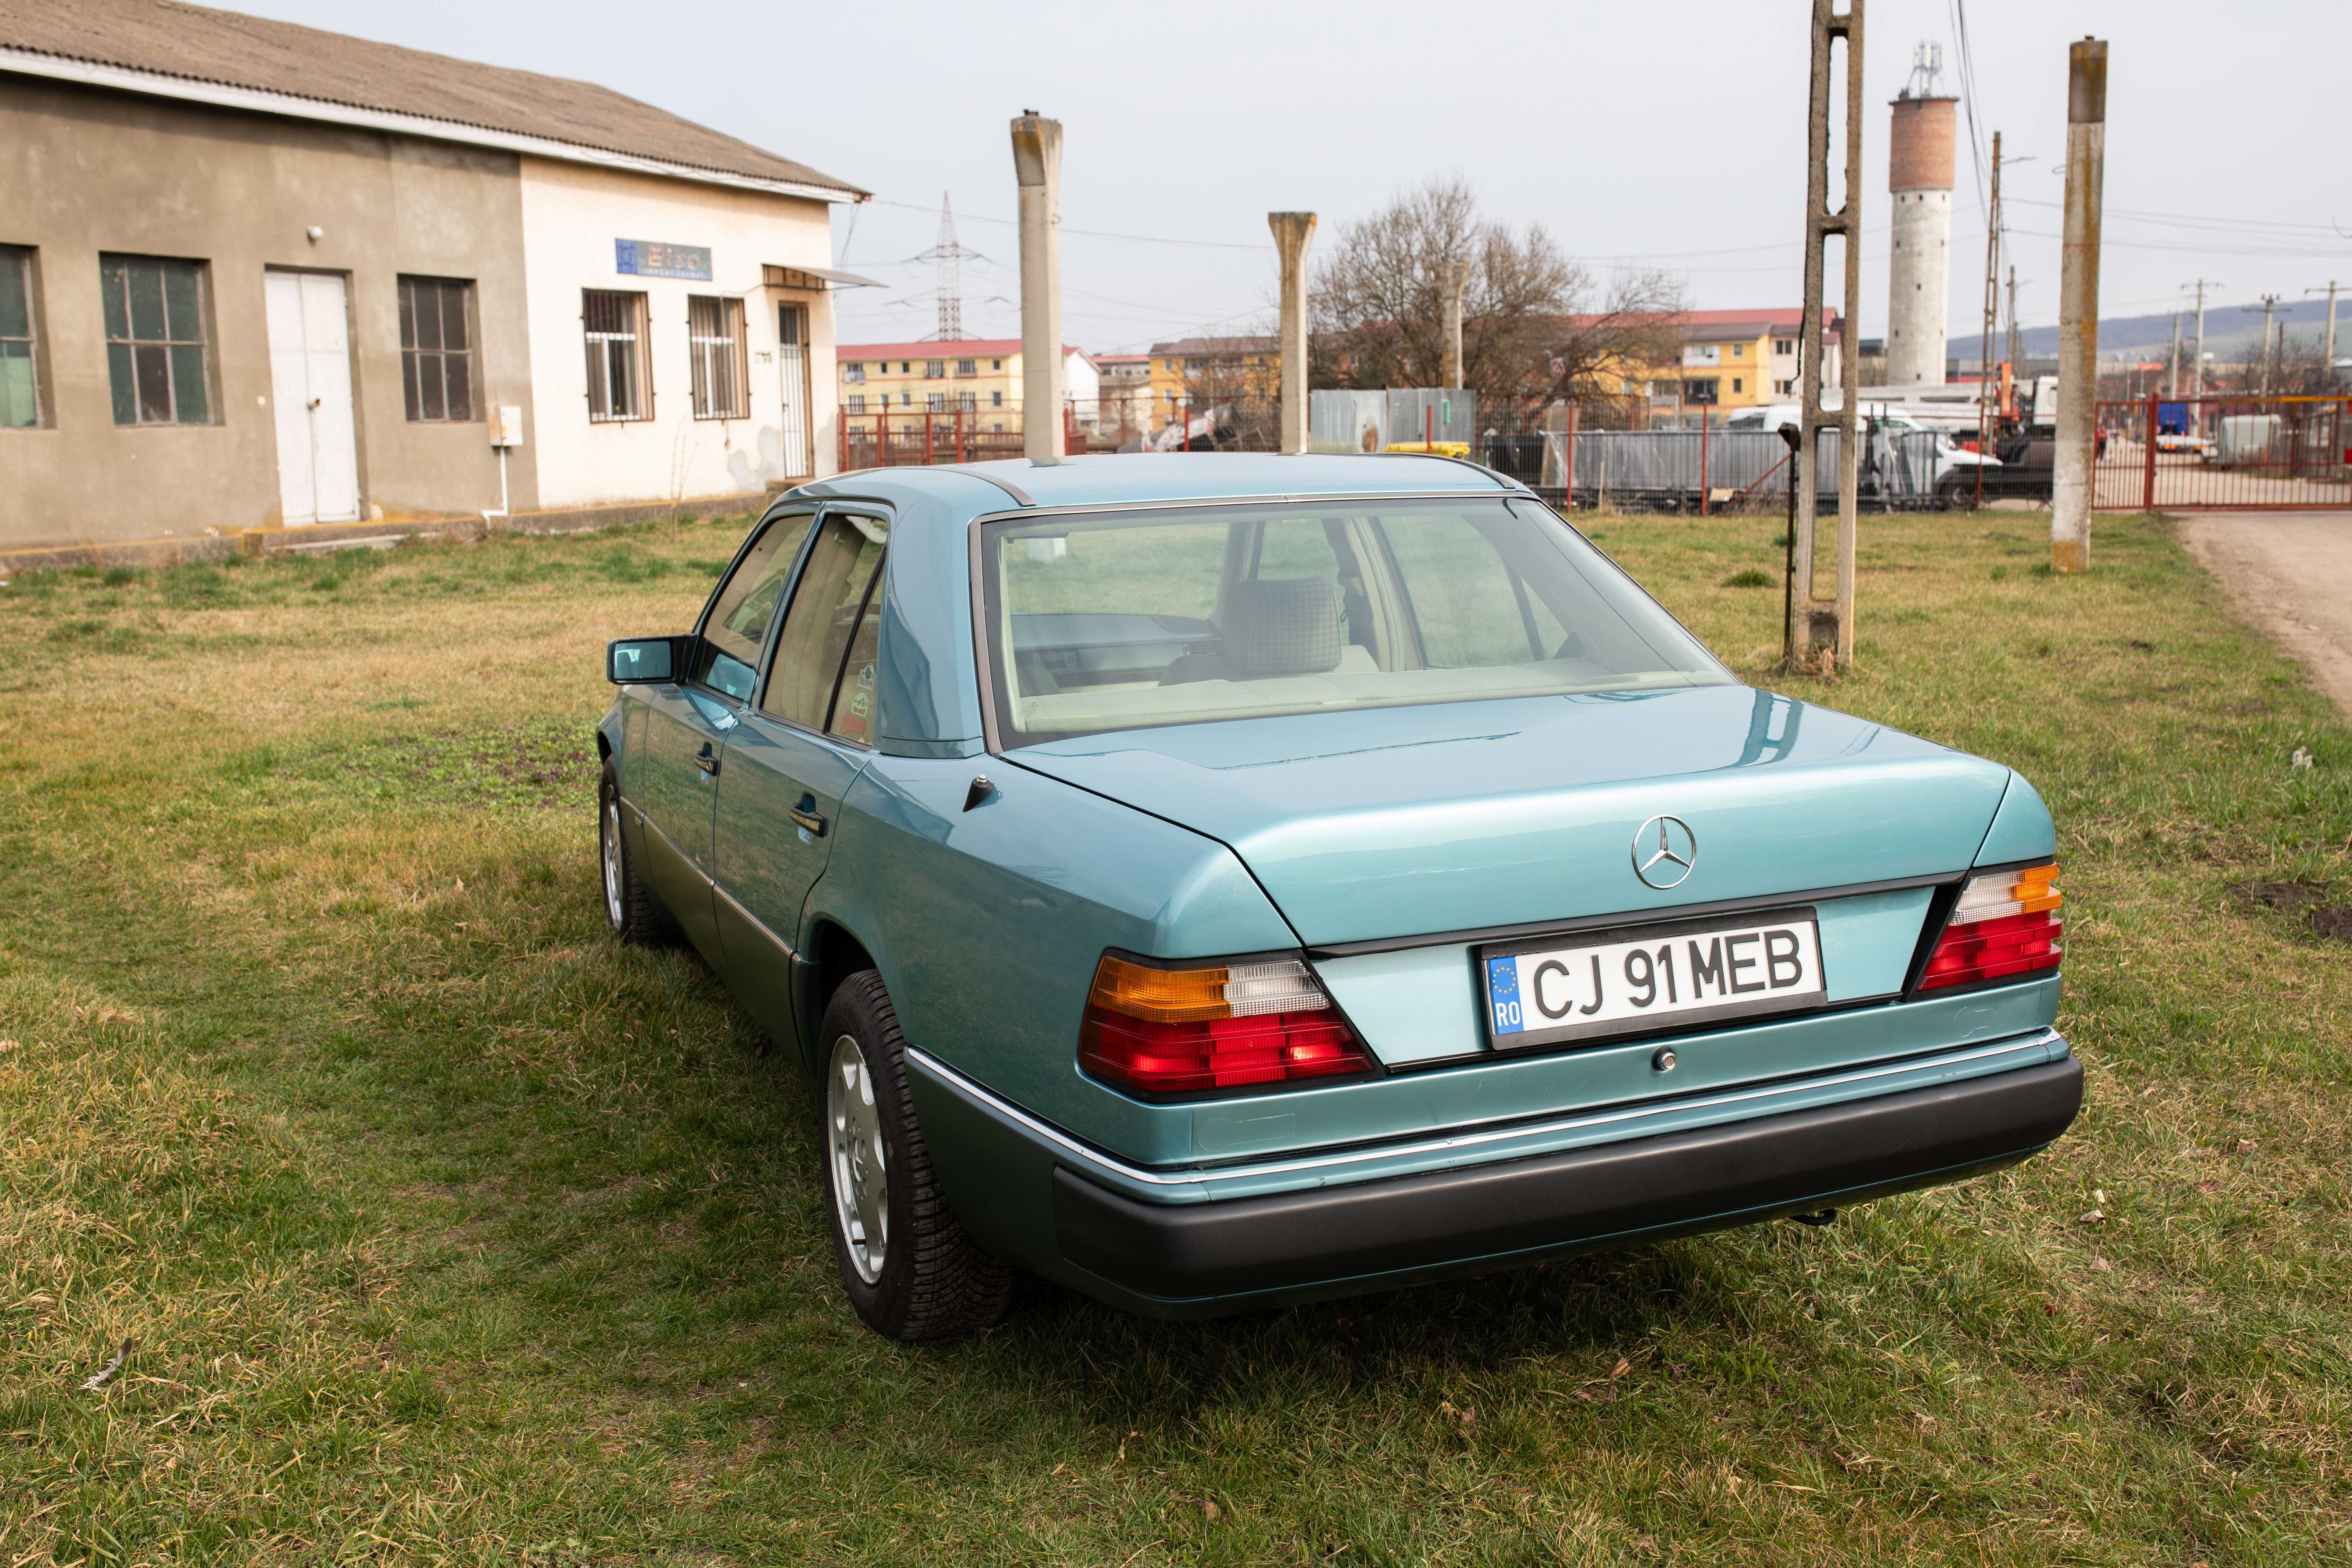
pixel 2078 307
pixel 1291 233
pixel 1454 281
pixel 1037 165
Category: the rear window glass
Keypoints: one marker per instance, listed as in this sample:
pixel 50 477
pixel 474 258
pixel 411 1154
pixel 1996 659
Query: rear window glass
pixel 1121 621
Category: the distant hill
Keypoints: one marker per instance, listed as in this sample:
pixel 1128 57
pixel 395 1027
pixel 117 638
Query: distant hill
pixel 2228 329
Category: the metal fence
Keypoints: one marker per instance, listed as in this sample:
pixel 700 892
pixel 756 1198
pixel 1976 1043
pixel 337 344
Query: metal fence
pixel 1705 470
pixel 2209 454
pixel 1342 421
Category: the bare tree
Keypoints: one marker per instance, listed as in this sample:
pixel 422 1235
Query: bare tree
pixel 1530 334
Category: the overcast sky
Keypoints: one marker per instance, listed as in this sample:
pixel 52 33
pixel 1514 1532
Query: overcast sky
pixel 1671 135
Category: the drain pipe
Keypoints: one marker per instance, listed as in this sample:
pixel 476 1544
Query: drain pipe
pixel 505 433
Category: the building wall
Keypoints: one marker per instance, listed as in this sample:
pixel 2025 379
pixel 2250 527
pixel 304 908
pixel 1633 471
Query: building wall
pixel 572 213
pixel 87 171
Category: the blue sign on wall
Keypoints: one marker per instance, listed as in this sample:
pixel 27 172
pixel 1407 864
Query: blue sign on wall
pixel 652 258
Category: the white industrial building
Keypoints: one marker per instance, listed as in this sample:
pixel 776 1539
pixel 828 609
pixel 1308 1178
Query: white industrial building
pixel 255 275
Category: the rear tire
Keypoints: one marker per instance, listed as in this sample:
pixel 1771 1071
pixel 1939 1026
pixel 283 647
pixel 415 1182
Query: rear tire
pixel 1956 493
pixel 631 910
pixel 910 1269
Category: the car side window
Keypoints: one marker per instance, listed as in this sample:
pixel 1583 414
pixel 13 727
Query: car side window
pixel 827 616
pixel 738 624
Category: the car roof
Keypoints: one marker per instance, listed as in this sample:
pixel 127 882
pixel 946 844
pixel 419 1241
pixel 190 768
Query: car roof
pixel 1109 479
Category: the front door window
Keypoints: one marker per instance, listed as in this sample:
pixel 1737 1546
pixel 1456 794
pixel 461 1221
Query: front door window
pixel 736 628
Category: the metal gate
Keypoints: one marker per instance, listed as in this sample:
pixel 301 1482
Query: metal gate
pixel 2224 454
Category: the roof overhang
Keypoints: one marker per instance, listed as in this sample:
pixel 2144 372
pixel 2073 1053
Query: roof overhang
pixel 816 278
pixel 260 100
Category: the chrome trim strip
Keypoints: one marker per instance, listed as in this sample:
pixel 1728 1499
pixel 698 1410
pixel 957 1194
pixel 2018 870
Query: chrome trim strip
pixel 1192 1176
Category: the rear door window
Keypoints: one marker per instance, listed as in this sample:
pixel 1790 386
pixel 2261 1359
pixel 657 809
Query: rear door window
pixel 827 624
pixel 736 630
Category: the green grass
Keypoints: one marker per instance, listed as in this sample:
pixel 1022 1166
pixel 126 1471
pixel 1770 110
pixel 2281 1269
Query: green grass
pixel 444 1229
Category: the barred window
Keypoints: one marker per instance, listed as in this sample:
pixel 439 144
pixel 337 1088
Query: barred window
pixel 935 402
pixel 20 342
pixel 155 339
pixel 436 348
pixel 857 402
pixel 968 401
pixel 714 334
pixel 620 358
pixel 967 367
pixel 934 368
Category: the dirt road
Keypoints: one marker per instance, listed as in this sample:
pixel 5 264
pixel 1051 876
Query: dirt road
pixel 2289 573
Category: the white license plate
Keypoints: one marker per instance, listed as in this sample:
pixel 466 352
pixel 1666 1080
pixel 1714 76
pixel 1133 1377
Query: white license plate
pixel 1630 980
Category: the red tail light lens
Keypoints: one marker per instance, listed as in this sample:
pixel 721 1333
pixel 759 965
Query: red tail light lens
pixel 1175 1031
pixel 2005 924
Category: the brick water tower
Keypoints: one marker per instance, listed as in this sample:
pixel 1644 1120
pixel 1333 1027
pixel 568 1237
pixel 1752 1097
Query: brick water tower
pixel 1919 174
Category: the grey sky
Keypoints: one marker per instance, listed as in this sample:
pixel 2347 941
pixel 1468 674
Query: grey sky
pixel 1669 133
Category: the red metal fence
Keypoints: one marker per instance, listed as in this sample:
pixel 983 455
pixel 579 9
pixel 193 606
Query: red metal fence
pixel 2224 454
pixel 897 440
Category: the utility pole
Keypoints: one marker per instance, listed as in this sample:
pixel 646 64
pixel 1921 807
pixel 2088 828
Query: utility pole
pixel 2197 364
pixel 1453 279
pixel 1037 165
pixel 2328 348
pixel 1291 233
pixel 2078 306
pixel 2016 348
pixel 2172 374
pixel 1991 320
pixel 1814 627
pixel 2268 309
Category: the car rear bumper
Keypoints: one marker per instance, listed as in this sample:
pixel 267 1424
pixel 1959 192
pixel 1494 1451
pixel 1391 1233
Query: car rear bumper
pixel 1200 1241
pixel 1558 1204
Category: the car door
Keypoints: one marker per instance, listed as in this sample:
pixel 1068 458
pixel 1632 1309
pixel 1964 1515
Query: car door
pixel 673 777
pixel 793 756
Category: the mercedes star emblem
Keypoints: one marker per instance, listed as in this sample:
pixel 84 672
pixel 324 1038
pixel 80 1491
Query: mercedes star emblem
pixel 1665 851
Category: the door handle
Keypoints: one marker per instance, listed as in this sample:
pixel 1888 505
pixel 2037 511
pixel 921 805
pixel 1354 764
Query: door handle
pixel 806 814
pixel 708 761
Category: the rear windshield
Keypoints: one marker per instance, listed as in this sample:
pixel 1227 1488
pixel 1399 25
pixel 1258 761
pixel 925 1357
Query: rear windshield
pixel 1127 621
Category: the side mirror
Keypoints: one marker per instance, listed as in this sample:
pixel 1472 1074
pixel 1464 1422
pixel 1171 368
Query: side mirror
pixel 633 660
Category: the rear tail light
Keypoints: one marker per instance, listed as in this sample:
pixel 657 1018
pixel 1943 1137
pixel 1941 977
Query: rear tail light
pixel 2005 924
pixel 1173 1031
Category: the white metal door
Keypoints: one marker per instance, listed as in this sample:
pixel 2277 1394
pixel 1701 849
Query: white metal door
pixel 792 359
pixel 310 376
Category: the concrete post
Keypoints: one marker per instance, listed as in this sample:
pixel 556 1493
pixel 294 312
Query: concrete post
pixel 1037 165
pixel 1453 279
pixel 1291 233
pixel 2078 307
pixel 1815 626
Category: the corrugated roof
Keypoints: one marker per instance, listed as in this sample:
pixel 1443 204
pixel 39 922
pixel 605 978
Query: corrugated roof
pixel 1192 346
pixel 195 44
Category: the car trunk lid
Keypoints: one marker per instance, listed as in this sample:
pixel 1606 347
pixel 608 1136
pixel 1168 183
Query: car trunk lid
pixel 1376 824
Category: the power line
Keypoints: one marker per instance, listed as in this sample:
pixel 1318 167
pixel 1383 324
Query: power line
pixel 1096 233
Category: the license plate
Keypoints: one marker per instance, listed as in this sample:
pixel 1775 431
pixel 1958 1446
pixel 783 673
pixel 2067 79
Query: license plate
pixel 1631 979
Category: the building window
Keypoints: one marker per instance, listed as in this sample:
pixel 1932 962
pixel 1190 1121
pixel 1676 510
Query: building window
pixel 155 343
pixel 967 367
pixel 1785 387
pixel 997 364
pixel 904 367
pixel 1699 389
pixel 1784 345
pixel 934 368
pixel 857 402
pixel 968 402
pixel 996 400
pixel 620 357
pixel 935 402
pixel 436 348
pixel 20 342
pixel 1735 385
pixel 854 374
pixel 722 370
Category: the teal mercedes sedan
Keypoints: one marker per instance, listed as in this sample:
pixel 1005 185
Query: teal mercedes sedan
pixel 1217 881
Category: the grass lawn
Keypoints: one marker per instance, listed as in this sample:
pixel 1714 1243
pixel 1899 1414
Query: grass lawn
pixel 444 1228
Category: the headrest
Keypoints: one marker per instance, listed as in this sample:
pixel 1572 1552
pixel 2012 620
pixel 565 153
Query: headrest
pixel 1287 627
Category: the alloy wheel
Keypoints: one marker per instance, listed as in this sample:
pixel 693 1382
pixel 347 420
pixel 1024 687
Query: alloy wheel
pixel 614 911
pixel 861 1185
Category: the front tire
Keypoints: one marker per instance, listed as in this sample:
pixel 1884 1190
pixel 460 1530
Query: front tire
pixel 631 910
pixel 911 1270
